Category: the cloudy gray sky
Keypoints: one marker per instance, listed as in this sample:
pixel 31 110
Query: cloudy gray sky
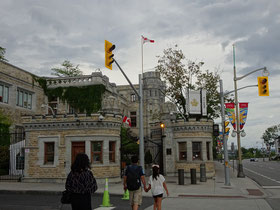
pixel 40 35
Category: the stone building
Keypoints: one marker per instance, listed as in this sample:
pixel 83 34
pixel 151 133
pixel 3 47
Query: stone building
pixel 55 130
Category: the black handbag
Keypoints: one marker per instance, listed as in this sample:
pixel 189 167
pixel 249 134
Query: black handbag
pixel 66 197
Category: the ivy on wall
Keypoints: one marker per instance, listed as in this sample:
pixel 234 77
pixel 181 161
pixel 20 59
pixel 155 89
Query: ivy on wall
pixel 85 98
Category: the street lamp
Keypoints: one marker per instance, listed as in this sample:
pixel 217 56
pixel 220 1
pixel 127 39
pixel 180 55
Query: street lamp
pixel 46 105
pixel 265 73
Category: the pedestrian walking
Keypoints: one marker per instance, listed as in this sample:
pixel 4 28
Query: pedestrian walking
pixel 81 183
pixel 132 181
pixel 156 184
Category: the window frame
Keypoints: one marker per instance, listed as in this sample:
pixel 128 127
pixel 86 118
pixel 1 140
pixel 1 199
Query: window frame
pixel 208 144
pixel 24 98
pixel 4 93
pixel 182 151
pixel 112 153
pixel 197 151
pixel 93 153
pixel 133 117
pixel 133 97
pixel 47 153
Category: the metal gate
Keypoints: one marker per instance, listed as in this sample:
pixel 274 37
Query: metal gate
pixel 12 156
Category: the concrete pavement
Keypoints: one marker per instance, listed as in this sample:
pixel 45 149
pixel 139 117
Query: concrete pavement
pixel 243 193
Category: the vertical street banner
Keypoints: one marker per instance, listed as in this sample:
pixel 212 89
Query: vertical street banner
pixel 243 109
pixel 194 102
pixel 230 110
pixel 203 102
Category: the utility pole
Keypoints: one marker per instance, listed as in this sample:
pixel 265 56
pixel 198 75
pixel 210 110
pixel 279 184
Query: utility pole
pixel 227 179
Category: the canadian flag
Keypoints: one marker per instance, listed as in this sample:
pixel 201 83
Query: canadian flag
pixel 127 120
pixel 144 39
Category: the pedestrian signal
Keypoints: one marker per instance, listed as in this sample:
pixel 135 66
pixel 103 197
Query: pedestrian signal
pixel 263 86
pixel 109 47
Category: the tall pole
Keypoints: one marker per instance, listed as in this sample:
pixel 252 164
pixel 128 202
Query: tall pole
pixel 227 180
pixel 141 128
pixel 240 166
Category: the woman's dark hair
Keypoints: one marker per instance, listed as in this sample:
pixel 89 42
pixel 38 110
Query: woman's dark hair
pixel 155 172
pixel 81 163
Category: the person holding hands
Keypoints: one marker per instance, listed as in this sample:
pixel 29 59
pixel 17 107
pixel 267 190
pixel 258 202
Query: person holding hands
pixel 156 184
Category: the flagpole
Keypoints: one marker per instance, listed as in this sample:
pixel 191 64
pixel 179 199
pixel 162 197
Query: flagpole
pixel 141 129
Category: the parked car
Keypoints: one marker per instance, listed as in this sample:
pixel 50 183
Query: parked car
pixel 254 160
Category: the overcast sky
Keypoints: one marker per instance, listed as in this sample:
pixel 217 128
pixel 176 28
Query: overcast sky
pixel 40 35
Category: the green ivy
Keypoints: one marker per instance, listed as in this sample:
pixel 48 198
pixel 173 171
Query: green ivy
pixel 86 98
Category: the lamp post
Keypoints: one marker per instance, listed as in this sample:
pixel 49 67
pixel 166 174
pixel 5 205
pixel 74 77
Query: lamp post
pixel 240 173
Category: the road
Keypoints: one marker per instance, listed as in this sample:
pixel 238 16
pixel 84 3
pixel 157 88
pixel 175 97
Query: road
pixel 266 174
pixel 52 202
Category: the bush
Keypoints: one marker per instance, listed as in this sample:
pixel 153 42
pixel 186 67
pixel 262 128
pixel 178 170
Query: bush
pixel 4 159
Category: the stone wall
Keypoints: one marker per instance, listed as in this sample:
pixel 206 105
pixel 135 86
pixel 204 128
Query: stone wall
pixel 63 130
pixel 17 78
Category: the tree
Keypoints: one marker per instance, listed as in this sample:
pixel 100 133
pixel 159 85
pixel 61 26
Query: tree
pixel 270 135
pixel 67 70
pixel 2 54
pixel 179 77
pixel 129 146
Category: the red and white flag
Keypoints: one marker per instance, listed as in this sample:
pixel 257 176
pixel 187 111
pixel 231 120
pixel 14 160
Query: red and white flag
pixel 144 40
pixel 127 120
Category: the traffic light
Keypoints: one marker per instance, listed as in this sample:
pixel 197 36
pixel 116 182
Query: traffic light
pixel 263 86
pixel 109 47
pixel 216 131
pixel 226 128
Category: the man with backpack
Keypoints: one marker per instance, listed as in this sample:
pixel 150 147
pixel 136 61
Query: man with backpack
pixel 132 181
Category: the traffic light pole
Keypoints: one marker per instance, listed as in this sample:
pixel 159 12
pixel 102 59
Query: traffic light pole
pixel 227 179
pixel 141 128
pixel 235 79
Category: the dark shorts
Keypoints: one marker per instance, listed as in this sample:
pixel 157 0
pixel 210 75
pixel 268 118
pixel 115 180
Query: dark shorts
pixel 158 196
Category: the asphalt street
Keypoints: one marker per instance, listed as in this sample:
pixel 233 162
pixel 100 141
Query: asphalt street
pixel 52 202
pixel 265 173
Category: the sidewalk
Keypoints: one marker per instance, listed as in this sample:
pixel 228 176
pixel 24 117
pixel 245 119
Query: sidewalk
pixel 243 193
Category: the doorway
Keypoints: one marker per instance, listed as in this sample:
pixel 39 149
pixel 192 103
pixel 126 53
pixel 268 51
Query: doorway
pixel 77 147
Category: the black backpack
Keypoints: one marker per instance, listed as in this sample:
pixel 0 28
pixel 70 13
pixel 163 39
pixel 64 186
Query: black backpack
pixel 132 178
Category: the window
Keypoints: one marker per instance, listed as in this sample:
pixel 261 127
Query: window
pixel 133 119
pixel 112 149
pixel 133 97
pixel 196 147
pixel 96 152
pixel 208 150
pixel 49 153
pixel 4 93
pixel 182 151
pixel 24 99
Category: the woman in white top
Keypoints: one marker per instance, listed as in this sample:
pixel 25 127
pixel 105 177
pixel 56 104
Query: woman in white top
pixel 157 183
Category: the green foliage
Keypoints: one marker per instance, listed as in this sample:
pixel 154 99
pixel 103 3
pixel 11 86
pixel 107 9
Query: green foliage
pixel 2 54
pixel 85 99
pixel 67 70
pixel 179 77
pixel 5 124
pixel 271 134
pixel 4 160
pixel 129 147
